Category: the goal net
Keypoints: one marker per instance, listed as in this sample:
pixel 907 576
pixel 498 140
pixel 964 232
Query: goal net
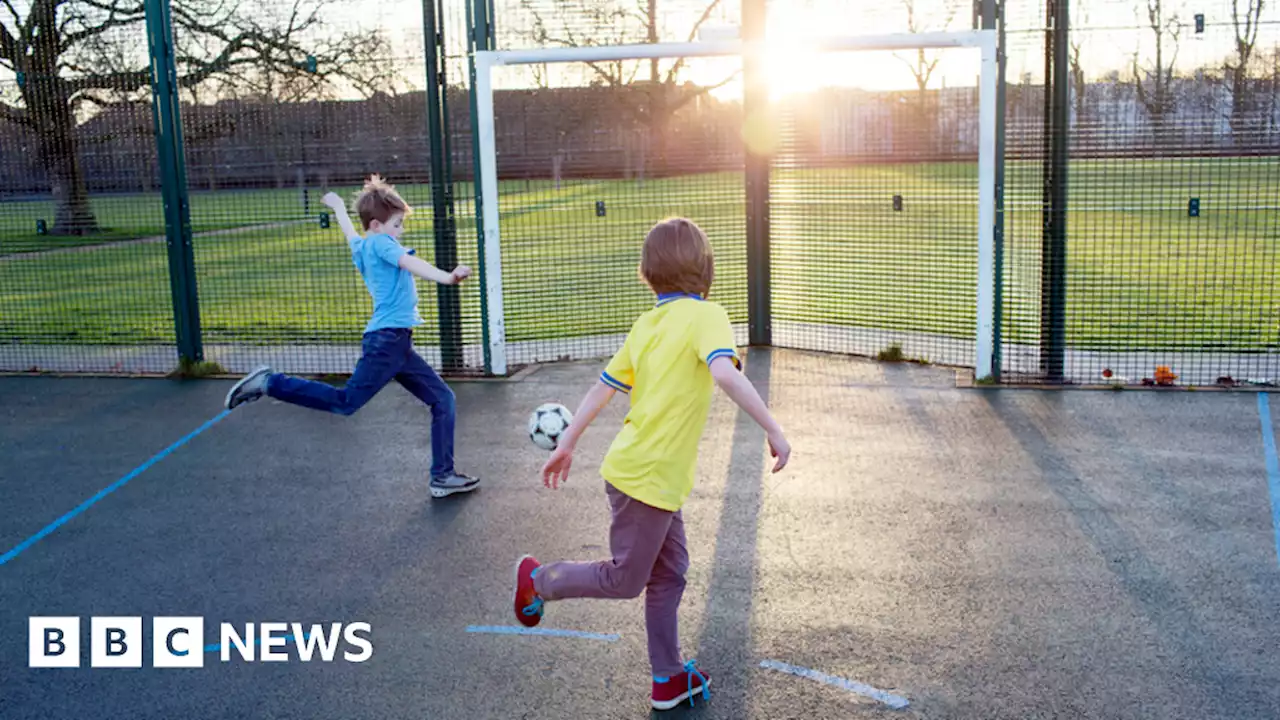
pixel 581 149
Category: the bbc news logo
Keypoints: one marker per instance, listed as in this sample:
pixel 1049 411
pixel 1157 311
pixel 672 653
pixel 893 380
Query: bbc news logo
pixel 178 642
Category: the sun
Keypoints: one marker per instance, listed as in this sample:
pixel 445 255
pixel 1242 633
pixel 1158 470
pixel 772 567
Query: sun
pixel 792 67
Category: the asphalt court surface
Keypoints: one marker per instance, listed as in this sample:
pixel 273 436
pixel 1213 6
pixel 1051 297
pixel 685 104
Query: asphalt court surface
pixel 979 553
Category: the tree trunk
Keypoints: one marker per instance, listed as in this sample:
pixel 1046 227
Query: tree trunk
pixel 658 126
pixel 1240 105
pixel 1077 80
pixel 60 154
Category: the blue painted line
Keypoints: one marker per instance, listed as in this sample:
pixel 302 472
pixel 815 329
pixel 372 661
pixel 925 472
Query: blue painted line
pixel 107 490
pixel 258 641
pixel 549 632
pixel 1273 465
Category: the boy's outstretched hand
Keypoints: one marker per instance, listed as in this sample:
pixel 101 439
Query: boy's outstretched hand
pixel 781 449
pixel 333 201
pixel 556 470
pixel 460 273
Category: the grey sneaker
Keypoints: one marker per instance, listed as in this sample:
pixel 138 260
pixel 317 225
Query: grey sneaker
pixel 250 388
pixel 454 482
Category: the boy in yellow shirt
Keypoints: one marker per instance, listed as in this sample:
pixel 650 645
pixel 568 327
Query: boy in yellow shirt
pixel 668 365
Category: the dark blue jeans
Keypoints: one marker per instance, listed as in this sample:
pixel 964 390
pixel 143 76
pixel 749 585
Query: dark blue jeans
pixel 387 355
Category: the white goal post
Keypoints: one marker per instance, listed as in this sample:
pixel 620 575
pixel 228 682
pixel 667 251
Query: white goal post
pixel 487 197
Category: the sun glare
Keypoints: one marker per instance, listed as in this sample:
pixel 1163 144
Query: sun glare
pixel 791 67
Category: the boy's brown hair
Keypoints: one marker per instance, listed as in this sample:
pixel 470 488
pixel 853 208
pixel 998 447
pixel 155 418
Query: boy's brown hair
pixel 380 201
pixel 677 257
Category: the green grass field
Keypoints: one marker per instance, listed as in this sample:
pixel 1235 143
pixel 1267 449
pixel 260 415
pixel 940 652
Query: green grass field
pixel 1142 274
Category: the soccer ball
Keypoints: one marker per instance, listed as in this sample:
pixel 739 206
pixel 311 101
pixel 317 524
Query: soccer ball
pixel 547 424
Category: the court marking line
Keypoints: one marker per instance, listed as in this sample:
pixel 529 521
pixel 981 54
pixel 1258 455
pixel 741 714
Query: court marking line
pixel 897 702
pixel 1273 465
pixel 22 546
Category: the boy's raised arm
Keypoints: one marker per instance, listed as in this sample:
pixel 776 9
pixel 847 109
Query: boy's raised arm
pixel 427 271
pixel 339 209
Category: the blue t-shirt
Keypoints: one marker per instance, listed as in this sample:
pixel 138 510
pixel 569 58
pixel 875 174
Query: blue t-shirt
pixel 393 289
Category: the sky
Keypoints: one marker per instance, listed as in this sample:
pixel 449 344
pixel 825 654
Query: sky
pixel 1109 32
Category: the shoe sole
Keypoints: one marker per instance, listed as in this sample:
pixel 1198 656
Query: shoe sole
pixel 234 388
pixel 670 704
pixel 439 492
pixel 515 588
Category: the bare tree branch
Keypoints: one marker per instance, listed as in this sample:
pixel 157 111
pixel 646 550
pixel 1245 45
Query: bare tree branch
pixel 700 90
pixel 693 33
pixel 113 20
pixel 922 68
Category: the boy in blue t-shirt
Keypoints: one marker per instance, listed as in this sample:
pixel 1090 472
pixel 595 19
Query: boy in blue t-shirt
pixel 387 354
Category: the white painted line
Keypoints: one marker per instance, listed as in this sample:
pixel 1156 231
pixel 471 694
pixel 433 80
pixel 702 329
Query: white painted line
pixel 894 701
pixel 517 630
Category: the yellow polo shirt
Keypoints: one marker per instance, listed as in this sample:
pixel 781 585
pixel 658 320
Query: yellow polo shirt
pixel 663 367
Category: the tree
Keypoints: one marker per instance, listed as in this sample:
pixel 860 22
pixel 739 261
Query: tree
pixel 1078 84
pixel 1154 83
pixel 1244 105
pixel 924 116
pixel 1272 91
pixel 925 61
pixel 74 58
pixel 624 22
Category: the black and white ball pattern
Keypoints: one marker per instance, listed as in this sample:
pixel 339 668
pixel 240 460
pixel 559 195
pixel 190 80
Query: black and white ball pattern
pixel 547 424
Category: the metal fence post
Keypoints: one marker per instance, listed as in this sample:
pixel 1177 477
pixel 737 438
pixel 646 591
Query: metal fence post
pixel 758 160
pixel 444 223
pixel 479 37
pixel 1053 318
pixel 166 114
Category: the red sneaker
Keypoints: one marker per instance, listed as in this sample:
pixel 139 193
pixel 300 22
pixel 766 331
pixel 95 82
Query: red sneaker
pixel 678 688
pixel 528 606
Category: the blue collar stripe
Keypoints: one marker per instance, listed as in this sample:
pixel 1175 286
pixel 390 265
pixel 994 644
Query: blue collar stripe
pixel 665 298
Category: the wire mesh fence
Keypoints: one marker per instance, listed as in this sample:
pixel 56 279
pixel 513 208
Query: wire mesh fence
pixel 874 219
pixel 337 99
pixel 1170 227
pixel 84 285
pixel 1171 110
pixel 585 170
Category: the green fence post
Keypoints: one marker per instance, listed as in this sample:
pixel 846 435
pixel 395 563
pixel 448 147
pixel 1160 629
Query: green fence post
pixel 1053 318
pixel 755 107
pixel 165 107
pixel 444 223
pixel 479 37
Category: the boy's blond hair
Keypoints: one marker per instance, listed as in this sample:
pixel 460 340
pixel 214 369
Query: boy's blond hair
pixel 380 201
pixel 677 258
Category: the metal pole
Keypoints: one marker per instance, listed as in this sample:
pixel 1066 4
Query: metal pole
pixel 444 224
pixel 1053 304
pixel 167 118
pixel 479 38
pixel 993 19
pixel 755 108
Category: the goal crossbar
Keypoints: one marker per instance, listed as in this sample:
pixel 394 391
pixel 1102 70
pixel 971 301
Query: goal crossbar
pixel 487 198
